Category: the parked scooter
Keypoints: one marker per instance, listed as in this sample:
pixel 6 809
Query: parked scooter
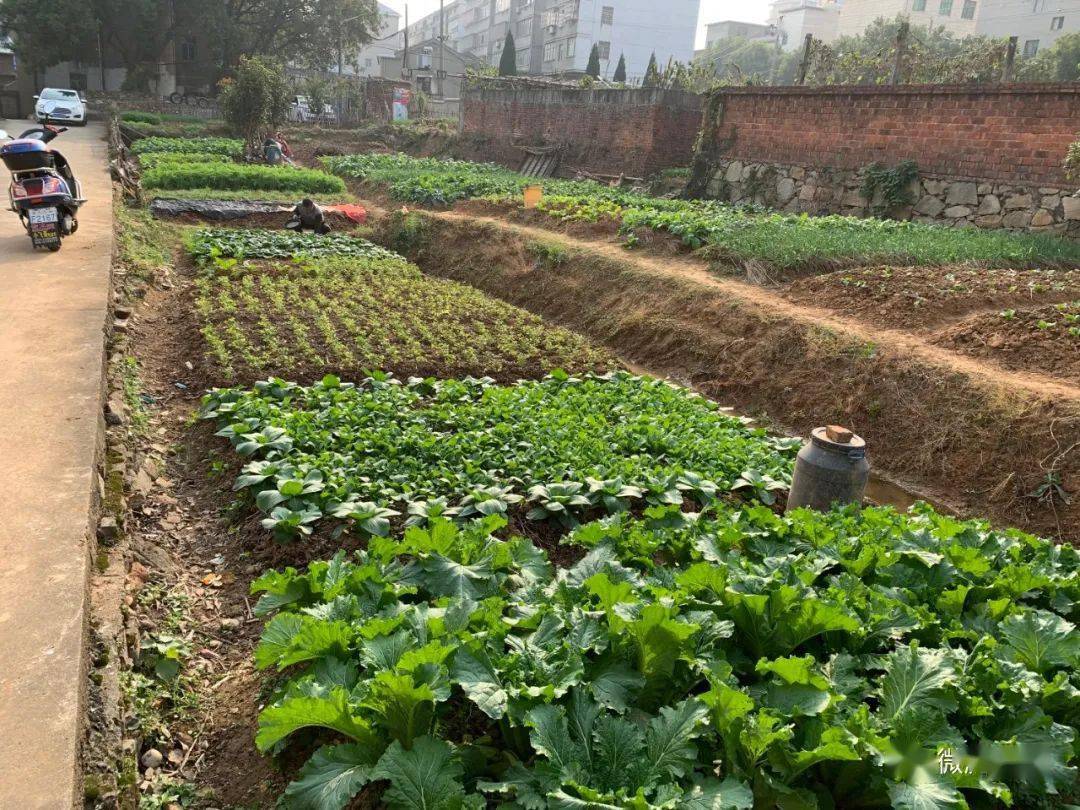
pixel 44 191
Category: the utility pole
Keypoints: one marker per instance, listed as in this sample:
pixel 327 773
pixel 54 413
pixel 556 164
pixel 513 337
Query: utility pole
pixel 405 57
pixel 805 66
pixel 442 48
pixel 1010 60
pixel 901 47
pixel 101 57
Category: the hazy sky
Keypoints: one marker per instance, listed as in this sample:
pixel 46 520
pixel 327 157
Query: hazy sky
pixel 711 11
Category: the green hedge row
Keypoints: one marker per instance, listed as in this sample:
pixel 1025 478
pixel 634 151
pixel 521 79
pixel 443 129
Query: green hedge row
pixel 217 146
pixel 221 176
pixel 151 160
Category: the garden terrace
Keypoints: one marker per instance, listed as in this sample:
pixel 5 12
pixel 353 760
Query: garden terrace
pixel 230 177
pixel 1045 338
pixel 231 147
pixel 362 309
pixel 764 657
pixel 922 297
pixel 733 236
pixel 580 590
pixel 563 445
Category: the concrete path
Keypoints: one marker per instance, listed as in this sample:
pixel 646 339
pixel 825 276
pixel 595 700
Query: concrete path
pixel 52 315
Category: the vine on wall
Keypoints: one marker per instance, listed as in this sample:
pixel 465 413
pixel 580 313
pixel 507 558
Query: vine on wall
pixel 889 189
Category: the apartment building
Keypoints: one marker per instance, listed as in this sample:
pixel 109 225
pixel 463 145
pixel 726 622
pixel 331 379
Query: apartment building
pixel 1036 23
pixel 792 20
pixel 956 16
pixel 557 36
pixel 384 43
pixel 727 29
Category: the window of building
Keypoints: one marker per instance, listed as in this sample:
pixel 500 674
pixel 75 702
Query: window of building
pixel 502 5
pixel 561 51
pixel 1057 23
pixel 605 49
pixel 969 10
pixel 945 9
pixel 524 27
pixel 571 47
pixel 607 15
pixel 1037 6
pixel 523 59
pixel 187 49
pixel 549 52
pixel 918 5
pixel 1031 47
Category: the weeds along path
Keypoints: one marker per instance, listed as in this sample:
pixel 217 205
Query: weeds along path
pixel 776 306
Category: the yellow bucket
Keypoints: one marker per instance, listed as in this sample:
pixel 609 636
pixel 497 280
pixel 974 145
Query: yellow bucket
pixel 533 195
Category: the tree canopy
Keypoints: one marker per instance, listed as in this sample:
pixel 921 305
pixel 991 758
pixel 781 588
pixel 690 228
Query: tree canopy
pixel 257 99
pixel 43 34
pixel 593 68
pixel 508 60
pixel 931 55
pixel 313 32
pixel 620 70
pixel 652 73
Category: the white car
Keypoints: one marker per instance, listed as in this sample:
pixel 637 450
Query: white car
pixel 55 106
pixel 300 112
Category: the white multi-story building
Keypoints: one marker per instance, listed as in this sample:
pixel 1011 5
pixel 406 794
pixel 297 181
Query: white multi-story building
pixel 383 43
pixel 557 36
pixel 1037 24
pixel 792 20
pixel 956 16
pixel 729 29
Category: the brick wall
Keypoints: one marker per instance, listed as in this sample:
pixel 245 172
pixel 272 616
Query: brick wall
pixel 607 131
pixel 1014 133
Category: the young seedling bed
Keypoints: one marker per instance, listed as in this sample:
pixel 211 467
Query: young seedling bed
pixel 920 297
pixel 302 319
pixel 1043 340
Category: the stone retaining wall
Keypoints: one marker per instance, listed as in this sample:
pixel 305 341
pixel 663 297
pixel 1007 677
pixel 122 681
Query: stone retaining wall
pixel 936 199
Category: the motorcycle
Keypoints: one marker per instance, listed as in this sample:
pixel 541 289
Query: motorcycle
pixel 44 191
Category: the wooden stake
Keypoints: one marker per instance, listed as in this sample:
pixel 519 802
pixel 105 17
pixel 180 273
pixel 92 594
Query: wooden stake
pixel 901 47
pixel 805 66
pixel 1010 60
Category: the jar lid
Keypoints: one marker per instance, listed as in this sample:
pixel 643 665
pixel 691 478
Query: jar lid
pixel 855 447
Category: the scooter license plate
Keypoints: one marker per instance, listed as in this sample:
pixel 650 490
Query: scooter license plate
pixel 44 217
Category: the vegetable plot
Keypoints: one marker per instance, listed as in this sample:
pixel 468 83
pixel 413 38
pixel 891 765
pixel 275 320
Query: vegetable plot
pixel 298 319
pixel 235 176
pixel 206 245
pixel 564 446
pixel 233 147
pixel 785 241
pixel 814 661
pixel 151 160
